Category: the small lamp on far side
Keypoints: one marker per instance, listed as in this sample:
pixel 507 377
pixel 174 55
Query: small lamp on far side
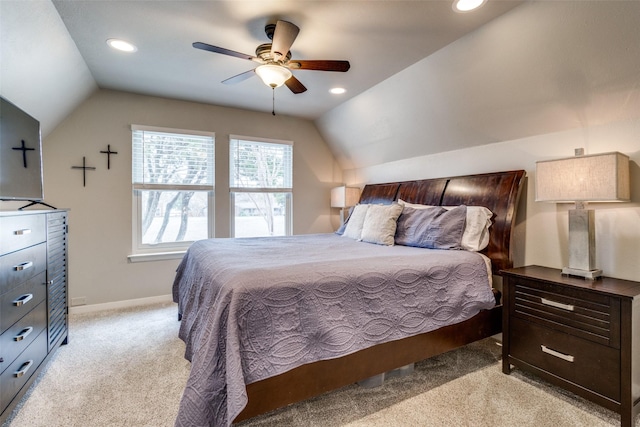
pixel 581 179
pixel 344 197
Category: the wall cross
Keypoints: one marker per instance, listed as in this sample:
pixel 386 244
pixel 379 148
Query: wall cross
pixel 84 168
pixel 109 153
pixel 24 150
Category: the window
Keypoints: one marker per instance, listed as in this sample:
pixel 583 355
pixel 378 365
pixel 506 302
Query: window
pixel 261 175
pixel 173 187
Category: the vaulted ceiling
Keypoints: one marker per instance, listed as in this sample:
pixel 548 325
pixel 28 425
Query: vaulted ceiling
pixel 379 38
pixel 423 79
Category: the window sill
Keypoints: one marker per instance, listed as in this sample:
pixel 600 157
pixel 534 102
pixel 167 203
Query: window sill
pixel 156 256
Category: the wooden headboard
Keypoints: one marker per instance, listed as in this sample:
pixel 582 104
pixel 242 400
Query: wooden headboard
pixel 498 191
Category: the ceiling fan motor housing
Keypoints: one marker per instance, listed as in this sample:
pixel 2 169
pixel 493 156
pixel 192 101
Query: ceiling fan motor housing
pixel 264 52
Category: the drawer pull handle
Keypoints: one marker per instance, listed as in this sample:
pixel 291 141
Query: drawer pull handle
pixel 23 369
pixel 22 232
pixel 22 299
pixel 562 356
pixel 568 307
pixel 23 266
pixel 23 334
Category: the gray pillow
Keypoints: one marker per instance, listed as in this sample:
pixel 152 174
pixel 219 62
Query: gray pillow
pixel 434 227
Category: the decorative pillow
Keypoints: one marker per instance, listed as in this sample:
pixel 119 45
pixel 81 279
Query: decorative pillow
pixel 353 229
pixel 380 224
pixel 431 227
pixel 476 232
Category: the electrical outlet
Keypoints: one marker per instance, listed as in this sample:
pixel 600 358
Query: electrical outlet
pixel 78 301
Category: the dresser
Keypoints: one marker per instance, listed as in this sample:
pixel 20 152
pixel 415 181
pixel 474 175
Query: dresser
pixel 578 334
pixel 33 298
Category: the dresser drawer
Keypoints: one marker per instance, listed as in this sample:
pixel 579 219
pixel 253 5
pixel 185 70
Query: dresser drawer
pixel 19 232
pixel 593 366
pixel 20 300
pixel 22 333
pixel 577 312
pixel 18 267
pixel 19 372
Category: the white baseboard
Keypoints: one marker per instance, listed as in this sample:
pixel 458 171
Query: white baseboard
pixel 119 304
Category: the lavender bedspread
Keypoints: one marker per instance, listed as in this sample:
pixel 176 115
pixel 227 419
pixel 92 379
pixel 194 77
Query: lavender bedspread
pixel 256 307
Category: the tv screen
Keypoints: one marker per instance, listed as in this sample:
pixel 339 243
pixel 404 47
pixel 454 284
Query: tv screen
pixel 20 155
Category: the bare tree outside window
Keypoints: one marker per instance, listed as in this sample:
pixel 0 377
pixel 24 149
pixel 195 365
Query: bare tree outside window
pixel 261 186
pixel 173 177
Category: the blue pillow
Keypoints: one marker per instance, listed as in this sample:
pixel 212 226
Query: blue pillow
pixel 340 230
pixel 434 227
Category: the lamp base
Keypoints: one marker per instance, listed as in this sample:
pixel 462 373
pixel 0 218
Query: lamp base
pixel 587 274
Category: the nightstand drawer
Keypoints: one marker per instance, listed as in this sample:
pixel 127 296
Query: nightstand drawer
pixel 583 314
pixel 590 365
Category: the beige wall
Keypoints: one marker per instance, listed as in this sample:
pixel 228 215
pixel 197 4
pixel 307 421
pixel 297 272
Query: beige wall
pixel 541 232
pixel 100 217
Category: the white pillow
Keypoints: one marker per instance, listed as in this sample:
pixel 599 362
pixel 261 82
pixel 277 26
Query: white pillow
pixel 476 230
pixel 353 229
pixel 380 224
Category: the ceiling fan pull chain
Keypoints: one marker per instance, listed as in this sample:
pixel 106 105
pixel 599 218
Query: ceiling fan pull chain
pixel 273 101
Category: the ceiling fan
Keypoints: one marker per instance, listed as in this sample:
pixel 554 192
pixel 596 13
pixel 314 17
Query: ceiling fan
pixel 275 59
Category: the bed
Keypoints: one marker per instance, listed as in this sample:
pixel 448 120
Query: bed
pixel 272 321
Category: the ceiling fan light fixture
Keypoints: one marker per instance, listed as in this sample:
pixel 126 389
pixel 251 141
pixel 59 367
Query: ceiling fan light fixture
pixel 467 5
pixel 273 75
pixel 337 90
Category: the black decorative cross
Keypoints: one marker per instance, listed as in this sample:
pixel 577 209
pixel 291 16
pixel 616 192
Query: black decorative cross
pixel 84 168
pixel 109 153
pixel 24 152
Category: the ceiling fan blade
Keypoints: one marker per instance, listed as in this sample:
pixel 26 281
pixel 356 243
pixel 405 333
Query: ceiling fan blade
pixel 283 37
pixel 294 85
pixel 216 49
pixel 239 77
pixel 320 65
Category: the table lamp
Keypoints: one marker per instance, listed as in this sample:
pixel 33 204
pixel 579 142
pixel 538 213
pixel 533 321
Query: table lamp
pixel 344 197
pixel 581 179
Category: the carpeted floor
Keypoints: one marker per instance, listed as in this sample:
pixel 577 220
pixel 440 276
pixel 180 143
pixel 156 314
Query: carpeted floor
pixel 126 368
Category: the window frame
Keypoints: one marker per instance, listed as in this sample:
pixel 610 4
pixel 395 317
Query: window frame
pixel 288 191
pixel 167 249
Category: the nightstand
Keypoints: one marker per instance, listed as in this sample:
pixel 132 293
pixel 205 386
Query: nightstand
pixel 581 335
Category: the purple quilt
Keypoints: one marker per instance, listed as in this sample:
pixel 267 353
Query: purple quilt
pixel 254 308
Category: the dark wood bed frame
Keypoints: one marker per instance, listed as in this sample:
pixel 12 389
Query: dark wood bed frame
pixel 497 191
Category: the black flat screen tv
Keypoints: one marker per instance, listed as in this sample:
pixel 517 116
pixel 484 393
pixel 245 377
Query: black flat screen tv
pixel 20 155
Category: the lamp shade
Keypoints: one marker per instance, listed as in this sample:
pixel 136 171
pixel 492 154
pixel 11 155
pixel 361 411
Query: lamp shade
pixel 343 196
pixel 273 75
pixel 591 178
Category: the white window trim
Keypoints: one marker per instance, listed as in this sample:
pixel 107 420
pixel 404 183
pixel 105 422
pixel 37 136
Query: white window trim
pixel 288 225
pixel 172 130
pixel 164 251
pixel 255 139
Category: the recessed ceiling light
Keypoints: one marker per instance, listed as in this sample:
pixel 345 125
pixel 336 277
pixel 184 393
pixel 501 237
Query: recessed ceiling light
pixel 467 5
pixel 337 90
pixel 121 45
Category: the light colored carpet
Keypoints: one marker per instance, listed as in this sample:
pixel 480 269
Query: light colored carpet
pixel 126 368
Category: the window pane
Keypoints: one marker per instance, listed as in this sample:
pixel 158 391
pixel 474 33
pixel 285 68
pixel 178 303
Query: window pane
pixel 173 159
pixel 260 164
pixel 173 216
pixel 260 214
